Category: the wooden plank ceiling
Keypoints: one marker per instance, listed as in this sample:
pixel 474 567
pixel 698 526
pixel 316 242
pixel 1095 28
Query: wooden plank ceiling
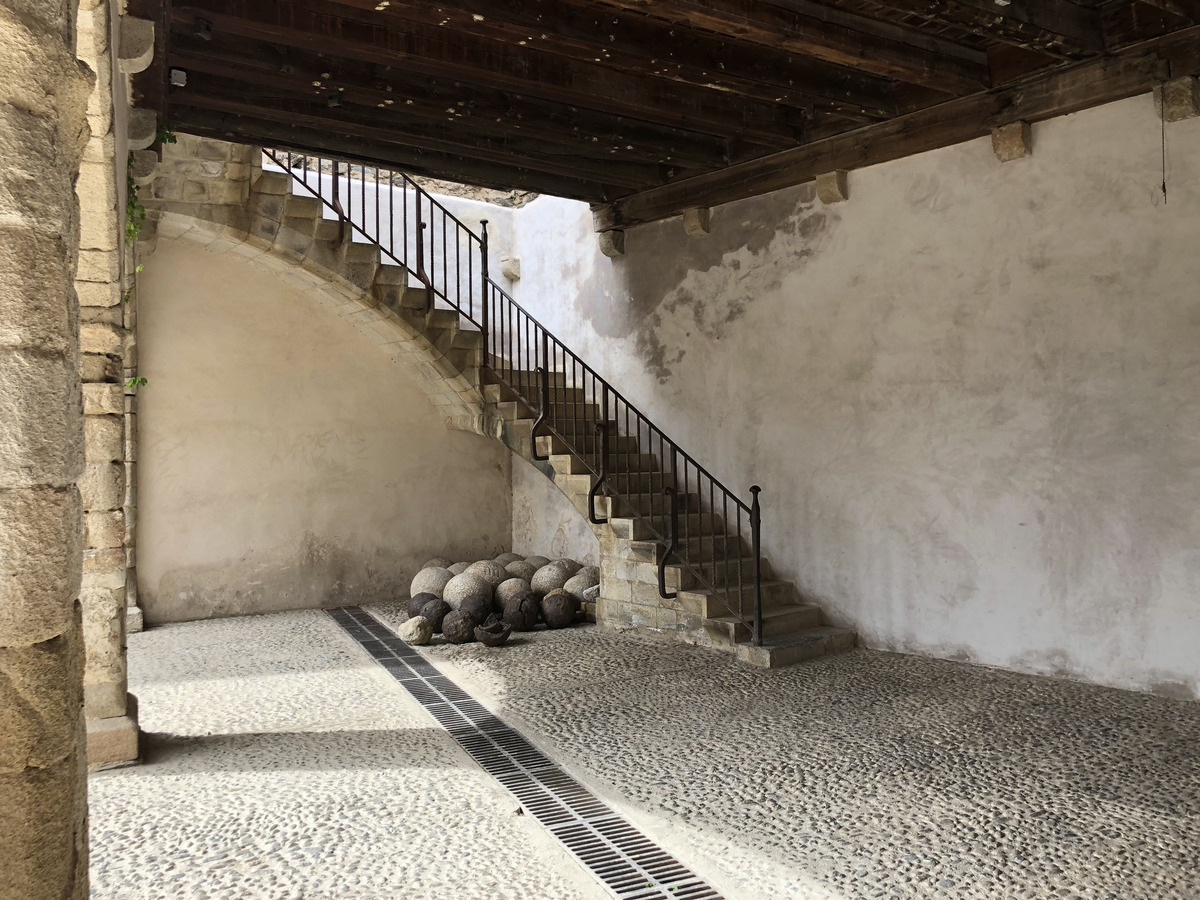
pixel 640 106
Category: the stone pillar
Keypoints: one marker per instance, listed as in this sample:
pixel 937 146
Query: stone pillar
pixel 105 283
pixel 43 802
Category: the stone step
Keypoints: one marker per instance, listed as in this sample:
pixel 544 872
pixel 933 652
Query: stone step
pixel 650 527
pixel 585 443
pixel 268 182
pixel 778 622
pixel 303 206
pixel 456 338
pixel 654 503
pixel 713 604
pixel 696 548
pixel 808 644
pixel 701 572
pixel 625 463
pixel 327 230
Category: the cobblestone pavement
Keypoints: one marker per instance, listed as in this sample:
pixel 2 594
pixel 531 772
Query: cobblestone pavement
pixel 866 775
pixel 286 764
pixel 283 763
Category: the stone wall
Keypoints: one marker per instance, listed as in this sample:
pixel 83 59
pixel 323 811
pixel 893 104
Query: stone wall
pixel 287 461
pixel 970 393
pixel 43 130
pixel 545 522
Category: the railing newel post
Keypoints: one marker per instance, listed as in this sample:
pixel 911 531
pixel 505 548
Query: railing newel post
pixel 756 541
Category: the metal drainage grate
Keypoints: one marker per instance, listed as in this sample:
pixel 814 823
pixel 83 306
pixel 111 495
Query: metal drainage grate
pixel 627 862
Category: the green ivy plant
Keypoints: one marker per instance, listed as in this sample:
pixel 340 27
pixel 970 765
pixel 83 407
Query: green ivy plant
pixel 166 134
pixel 135 213
pixel 134 383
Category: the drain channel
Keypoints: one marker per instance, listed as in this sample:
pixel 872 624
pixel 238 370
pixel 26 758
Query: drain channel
pixel 627 862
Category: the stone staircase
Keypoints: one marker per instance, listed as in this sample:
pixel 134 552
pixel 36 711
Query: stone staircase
pixel 274 221
pixel 629 555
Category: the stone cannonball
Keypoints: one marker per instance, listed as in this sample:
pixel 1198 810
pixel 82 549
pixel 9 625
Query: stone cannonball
pixel 435 611
pixel 468 584
pixel 548 578
pixel 505 558
pixel 458 627
pixel 521 569
pixel 417 602
pixel 577 584
pixel 459 568
pixel 416 631
pixel 477 608
pixel 592 594
pixel 510 588
pixel 537 561
pixel 430 581
pixel 569 564
pixel 492 571
pixel 559 609
pixel 492 635
pixel 522 612
pixel 438 562
pixel 591 572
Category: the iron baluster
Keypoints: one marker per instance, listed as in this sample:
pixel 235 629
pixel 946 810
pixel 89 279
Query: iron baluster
pixel 672 496
pixel 756 540
pixel 602 434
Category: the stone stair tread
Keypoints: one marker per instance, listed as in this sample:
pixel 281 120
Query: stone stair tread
pixel 810 643
pixel 778 612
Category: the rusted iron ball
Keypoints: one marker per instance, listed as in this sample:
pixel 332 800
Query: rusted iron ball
pixel 458 627
pixel 521 613
pixel 435 611
pixel 418 602
pixel 559 609
pixel 477 608
pixel 493 635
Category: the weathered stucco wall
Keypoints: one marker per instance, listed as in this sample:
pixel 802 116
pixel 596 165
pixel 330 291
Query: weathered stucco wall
pixel 287 462
pixel 971 393
pixel 545 522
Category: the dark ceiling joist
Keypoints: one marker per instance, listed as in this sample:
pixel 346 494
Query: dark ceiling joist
pixel 221 126
pixel 642 46
pixel 392 94
pixel 518 152
pixel 1056 27
pixel 1061 92
pixel 834 37
pixel 425 50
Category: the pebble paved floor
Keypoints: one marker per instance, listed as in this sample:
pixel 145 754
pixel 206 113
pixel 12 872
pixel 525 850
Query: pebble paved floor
pixel 289 766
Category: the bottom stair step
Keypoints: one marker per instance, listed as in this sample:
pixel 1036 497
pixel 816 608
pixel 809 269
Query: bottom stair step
pixel 781 622
pixel 794 648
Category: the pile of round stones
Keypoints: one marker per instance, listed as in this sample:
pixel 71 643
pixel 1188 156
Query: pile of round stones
pixel 486 601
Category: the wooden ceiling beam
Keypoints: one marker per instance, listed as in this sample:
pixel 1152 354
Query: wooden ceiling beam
pixel 879 48
pixel 520 153
pixel 390 92
pixel 477 62
pixel 322 142
pixel 1058 28
pixel 642 46
pixel 1058 93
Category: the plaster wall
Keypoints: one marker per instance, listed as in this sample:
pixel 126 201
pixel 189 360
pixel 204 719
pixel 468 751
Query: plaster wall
pixel 545 522
pixel 287 462
pixel 971 393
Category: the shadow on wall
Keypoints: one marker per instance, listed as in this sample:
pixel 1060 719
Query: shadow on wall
pixel 680 289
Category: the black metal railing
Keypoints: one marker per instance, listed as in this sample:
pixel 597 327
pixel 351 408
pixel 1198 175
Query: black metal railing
pixel 672 499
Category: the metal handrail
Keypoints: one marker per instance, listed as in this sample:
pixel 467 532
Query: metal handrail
pixel 523 355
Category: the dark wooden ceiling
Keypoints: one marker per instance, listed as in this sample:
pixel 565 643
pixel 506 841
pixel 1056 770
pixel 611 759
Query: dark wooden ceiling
pixel 636 103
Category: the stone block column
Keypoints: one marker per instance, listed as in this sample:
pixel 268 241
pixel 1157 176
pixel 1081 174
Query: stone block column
pixel 105 283
pixel 43 803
